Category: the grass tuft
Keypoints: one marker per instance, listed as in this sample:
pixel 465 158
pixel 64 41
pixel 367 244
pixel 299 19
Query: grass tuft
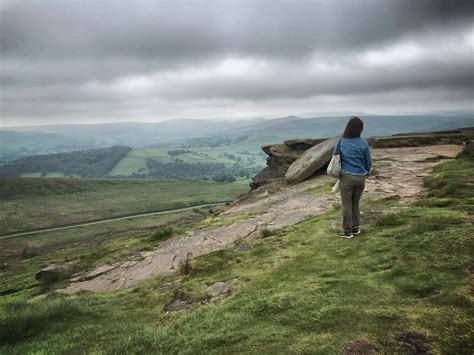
pixel 390 220
pixel 266 233
pixel 323 189
pixel 162 233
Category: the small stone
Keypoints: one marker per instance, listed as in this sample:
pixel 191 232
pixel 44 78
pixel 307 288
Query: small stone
pixel 244 247
pixel 218 288
pixel 52 273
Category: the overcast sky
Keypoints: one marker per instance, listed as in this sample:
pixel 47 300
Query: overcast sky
pixel 121 60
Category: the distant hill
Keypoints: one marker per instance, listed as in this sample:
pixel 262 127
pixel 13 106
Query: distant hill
pixel 139 134
pixel 21 141
pixel 17 144
pixel 277 130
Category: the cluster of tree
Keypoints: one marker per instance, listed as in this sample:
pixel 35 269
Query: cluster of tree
pixel 178 152
pixel 240 139
pixel 224 178
pixel 83 163
pixel 213 142
pixel 229 156
pixel 181 170
pixel 232 157
pixel 178 170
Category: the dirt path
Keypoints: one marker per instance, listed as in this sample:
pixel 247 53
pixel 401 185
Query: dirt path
pixel 400 172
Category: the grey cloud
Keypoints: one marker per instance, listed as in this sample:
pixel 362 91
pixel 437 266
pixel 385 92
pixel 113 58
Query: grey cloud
pixel 175 31
pixel 286 82
pixel 52 51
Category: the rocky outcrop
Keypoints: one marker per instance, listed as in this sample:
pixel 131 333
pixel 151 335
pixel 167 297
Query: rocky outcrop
pixel 282 156
pixel 469 149
pixel 53 272
pixel 218 291
pixel 311 161
pixel 303 144
pixel 458 136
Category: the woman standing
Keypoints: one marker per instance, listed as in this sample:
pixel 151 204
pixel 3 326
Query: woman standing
pixel 356 163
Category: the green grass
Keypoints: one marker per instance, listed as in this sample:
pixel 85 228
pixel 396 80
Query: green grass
pixel 302 290
pixel 219 221
pixel 452 185
pixel 22 321
pixel 267 233
pixel 325 188
pixel 162 234
pixel 29 203
pixel 45 242
pixel 50 175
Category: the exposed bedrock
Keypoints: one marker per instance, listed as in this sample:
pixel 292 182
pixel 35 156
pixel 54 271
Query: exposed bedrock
pixel 282 156
pixel 311 161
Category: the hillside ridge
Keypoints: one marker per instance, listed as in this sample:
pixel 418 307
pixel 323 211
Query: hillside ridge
pixel 400 172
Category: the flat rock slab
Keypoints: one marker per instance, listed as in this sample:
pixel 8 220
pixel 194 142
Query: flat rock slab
pixel 310 161
pixel 165 259
pixel 100 271
pixel 218 288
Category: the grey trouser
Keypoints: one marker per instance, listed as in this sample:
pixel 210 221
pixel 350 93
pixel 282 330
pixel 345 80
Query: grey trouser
pixel 351 187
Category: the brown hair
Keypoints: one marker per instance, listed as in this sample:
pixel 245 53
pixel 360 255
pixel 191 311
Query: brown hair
pixel 354 128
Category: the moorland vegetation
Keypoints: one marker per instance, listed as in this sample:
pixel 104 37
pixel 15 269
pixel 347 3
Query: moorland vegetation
pixel 402 286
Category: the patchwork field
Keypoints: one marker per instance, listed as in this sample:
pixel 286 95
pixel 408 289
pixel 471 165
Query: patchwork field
pixel 31 203
pixel 248 155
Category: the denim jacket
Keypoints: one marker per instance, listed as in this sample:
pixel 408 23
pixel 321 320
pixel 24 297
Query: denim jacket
pixel 355 156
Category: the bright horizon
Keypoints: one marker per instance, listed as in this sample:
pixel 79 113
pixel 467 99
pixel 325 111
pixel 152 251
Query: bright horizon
pixel 302 116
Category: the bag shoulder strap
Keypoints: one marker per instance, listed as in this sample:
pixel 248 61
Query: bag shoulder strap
pixel 338 145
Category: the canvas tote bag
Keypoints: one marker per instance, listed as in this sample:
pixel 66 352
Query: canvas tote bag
pixel 334 167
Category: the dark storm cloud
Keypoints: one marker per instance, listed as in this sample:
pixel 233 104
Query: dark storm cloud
pixel 175 31
pixel 103 55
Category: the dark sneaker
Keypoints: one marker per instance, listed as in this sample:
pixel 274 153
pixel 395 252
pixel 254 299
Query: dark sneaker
pixel 346 235
pixel 356 231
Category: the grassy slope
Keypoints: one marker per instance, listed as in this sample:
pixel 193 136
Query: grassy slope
pixel 87 247
pixel 29 203
pixel 301 290
pixel 45 242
